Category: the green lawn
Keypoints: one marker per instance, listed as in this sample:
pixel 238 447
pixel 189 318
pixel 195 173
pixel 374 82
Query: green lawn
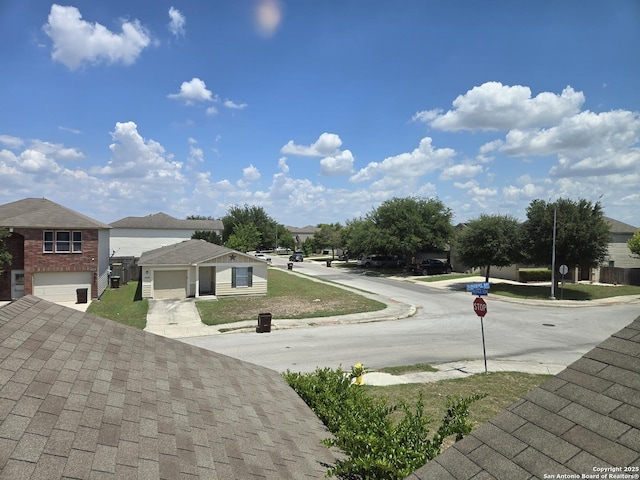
pixel 571 291
pixel 122 305
pixel 288 296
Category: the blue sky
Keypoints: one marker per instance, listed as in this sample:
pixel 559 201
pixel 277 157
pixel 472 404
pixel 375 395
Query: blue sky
pixel 318 111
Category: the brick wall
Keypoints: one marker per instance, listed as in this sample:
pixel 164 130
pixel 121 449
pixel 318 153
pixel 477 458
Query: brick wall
pixel 35 260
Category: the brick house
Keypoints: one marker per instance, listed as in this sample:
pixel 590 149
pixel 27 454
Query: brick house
pixel 55 251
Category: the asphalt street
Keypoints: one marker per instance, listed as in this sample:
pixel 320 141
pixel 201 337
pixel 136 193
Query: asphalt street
pixel 444 329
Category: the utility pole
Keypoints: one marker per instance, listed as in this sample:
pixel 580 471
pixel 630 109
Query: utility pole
pixel 553 257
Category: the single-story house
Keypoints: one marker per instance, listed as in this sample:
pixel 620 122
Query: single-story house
pixel 585 418
pixel 55 252
pixel 86 397
pixel 131 236
pixel 193 268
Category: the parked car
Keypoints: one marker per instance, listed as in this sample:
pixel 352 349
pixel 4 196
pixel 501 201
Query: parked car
pixel 370 261
pixel 296 257
pixel 262 256
pixel 430 267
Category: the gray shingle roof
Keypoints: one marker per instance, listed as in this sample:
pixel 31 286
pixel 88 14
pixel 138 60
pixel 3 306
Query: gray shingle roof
pixel 187 252
pixel 585 417
pixel 85 397
pixel 43 213
pixel 167 222
pixel 620 227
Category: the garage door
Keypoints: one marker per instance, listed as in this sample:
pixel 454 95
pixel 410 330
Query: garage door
pixel 170 284
pixel 60 286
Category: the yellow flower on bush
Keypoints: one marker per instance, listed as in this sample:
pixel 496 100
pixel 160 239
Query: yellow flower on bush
pixel 357 371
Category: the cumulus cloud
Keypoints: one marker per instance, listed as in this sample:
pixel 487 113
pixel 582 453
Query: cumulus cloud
pixel 493 106
pixel 234 106
pixel 134 158
pixel 327 144
pixel 250 173
pixel 76 41
pixel 340 164
pixel 421 160
pixel 268 16
pixel 192 92
pixel 176 22
pixel 11 142
pixel 282 165
pixel 463 170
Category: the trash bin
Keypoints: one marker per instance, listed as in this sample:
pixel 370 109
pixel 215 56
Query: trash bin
pixel 290 266
pixel 115 281
pixel 328 263
pixel 81 294
pixel 264 323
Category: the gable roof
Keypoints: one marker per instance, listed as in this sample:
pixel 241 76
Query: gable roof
pixel 85 397
pixel 43 213
pixel 162 221
pixel 620 227
pixel 586 416
pixel 187 252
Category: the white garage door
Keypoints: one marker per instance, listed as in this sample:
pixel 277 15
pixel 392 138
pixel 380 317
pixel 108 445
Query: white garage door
pixel 61 286
pixel 170 284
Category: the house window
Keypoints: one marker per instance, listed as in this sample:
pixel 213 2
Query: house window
pixel 47 246
pixel 63 242
pixel 241 277
pixel 77 242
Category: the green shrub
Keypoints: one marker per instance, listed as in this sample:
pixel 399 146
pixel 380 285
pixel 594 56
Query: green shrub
pixel 535 275
pixel 377 447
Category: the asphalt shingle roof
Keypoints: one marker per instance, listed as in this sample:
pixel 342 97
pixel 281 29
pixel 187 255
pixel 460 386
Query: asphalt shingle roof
pixel 187 252
pixel 43 213
pixel 84 397
pixel 586 417
pixel 167 222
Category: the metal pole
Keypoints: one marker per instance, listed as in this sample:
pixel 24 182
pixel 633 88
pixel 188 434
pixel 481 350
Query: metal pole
pixel 553 257
pixel 484 351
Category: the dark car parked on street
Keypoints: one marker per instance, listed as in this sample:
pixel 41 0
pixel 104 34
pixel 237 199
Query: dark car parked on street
pixel 430 267
pixel 296 257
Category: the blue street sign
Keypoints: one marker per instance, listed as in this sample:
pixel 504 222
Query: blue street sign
pixel 480 292
pixel 478 286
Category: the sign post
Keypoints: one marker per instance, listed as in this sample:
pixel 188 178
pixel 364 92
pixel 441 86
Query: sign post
pixel 563 271
pixel 480 307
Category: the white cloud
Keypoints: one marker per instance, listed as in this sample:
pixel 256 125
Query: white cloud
pixel 282 165
pixel 268 16
pixel 340 164
pixel 493 106
pixel 176 22
pixel 76 41
pixel 250 173
pixel 11 142
pixel 234 106
pixel 56 150
pixel 421 160
pixel 193 91
pixel 136 160
pixel 463 170
pixel 327 144
pixel 211 111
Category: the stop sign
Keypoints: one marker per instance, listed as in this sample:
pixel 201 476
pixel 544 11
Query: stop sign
pixel 480 307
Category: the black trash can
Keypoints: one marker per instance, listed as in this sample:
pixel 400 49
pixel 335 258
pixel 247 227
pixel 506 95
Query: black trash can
pixel 115 281
pixel 328 263
pixel 82 294
pixel 264 323
pixel 290 266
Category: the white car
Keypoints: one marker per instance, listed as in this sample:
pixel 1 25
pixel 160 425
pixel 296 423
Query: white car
pixel 262 256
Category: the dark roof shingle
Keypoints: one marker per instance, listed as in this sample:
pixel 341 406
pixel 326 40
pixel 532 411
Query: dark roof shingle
pixel 187 252
pixel 84 397
pixel 163 221
pixel 43 213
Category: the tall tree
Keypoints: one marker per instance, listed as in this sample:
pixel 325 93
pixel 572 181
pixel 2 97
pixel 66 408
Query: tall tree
pixel 407 226
pixel 5 256
pixel 328 235
pixel 634 244
pixel 490 240
pixel 582 235
pixel 249 214
pixel 244 238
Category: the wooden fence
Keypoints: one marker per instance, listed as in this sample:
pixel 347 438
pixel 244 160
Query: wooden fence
pixel 620 276
pixel 126 268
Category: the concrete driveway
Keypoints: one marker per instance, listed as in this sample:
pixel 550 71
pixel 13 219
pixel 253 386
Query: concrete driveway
pixel 176 319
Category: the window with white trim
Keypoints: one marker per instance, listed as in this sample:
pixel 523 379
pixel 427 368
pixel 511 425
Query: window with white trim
pixel 77 242
pixel 47 242
pixel 63 242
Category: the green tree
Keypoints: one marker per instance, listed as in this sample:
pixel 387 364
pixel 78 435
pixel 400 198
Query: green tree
pixel 582 235
pixel 405 227
pixel 634 244
pixel 5 256
pixel 284 238
pixel 359 237
pixel 328 235
pixel 490 240
pixel 244 238
pixel 249 214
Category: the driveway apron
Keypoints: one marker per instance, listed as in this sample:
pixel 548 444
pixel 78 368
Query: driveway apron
pixel 174 318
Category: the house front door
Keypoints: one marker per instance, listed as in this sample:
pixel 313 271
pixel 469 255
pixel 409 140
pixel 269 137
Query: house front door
pixel 17 283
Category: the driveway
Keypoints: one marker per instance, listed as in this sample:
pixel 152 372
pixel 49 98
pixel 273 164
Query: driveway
pixel 176 319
